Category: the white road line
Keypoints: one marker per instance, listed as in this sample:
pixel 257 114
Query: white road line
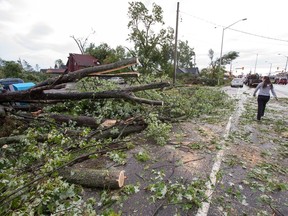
pixel 203 211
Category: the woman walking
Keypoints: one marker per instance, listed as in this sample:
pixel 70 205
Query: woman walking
pixel 264 95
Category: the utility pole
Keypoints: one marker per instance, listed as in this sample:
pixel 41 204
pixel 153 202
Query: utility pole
pixel 175 48
pixel 256 63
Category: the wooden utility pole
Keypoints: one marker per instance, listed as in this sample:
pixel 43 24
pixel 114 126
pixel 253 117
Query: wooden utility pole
pixel 175 49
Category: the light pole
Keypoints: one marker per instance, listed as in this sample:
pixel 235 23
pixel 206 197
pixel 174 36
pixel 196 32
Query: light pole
pixel 270 68
pixel 220 60
pixel 286 61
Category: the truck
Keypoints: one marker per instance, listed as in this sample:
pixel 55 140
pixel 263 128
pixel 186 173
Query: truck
pixel 252 80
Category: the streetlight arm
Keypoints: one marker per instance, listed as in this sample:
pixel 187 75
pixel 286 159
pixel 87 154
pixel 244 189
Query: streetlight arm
pixel 220 60
pixel 235 23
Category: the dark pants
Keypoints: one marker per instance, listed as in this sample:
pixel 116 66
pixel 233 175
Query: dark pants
pixel 262 101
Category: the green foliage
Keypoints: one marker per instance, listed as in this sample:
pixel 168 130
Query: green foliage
pixel 142 156
pixel 154 48
pixel 20 163
pixel 105 54
pixel 185 55
pixel 118 157
pixel 35 160
pixel 216 71
pixel 12 69
pixel 188 195
pixel 157 130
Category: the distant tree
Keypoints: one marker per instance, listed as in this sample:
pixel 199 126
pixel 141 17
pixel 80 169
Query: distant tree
pixel 152 47
pixel 105 54
pixel 37 67
pixel 12 69
pixel 215 71
pixel 59 64
pixel 82 42
pixel 26 66
pixel 185 55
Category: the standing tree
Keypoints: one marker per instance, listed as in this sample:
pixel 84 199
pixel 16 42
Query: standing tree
pixel 152 48
pixel 185 54
pixel 59 64
pixel 215 70
pixel 12 69
pixel 105 54
pixel 82 42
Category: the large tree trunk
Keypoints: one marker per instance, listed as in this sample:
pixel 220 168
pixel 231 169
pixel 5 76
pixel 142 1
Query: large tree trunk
pixel 11 139
pixel 108 179
pixel 79 74
pixel 41 96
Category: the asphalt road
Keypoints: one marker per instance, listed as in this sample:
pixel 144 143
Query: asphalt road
pixel 248 186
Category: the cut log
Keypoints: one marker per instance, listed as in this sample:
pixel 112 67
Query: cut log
pixel 92 178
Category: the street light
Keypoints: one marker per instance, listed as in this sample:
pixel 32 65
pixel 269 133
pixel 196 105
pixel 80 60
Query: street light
pixel 223 39
pixel 286 61
pixel 270 68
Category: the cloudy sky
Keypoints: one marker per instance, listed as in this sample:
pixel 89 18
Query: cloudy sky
pixel 39 31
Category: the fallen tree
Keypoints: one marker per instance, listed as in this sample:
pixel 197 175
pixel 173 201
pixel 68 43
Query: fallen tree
pixel 42 97
pixel 79 74
pixel 81 146
pixel 87 177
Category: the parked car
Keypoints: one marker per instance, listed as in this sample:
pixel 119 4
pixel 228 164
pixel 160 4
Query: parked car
pixel 6 82
pixel 237 82
pixel 282 81
pixel 118 80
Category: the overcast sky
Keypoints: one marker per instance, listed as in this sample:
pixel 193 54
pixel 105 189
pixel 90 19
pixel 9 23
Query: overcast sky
pixel 39 31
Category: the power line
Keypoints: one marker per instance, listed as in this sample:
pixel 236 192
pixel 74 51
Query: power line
pixel 243 32
pixel 261 36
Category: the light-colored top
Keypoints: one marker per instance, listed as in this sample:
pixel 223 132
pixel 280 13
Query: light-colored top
pixel 264 91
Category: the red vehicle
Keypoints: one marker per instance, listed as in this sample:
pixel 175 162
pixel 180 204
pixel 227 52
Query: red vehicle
pixel 282 81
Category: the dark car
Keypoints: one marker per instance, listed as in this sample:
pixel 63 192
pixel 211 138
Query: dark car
pixel 282 81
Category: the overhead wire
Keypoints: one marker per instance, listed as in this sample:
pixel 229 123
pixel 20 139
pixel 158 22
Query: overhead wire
pixel 243 32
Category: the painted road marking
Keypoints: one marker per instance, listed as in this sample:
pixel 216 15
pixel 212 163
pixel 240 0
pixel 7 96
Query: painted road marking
pixel 203 211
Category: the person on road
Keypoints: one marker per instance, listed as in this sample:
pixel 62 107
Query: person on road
pixel 264 95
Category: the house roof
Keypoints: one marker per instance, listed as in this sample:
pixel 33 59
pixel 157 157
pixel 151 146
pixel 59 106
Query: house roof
pixel 194 70
pixel 84 59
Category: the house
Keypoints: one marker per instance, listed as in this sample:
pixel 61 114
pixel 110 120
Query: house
pixel 75 62
pixel 80 61
pixel 193 71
